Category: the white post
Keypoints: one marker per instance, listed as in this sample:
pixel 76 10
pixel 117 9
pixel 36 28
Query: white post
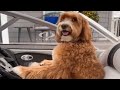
pixel 5 34
pixel 44 12
pixel 112 23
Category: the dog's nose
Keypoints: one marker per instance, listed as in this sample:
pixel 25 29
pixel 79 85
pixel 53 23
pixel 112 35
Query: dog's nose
pixel 64 26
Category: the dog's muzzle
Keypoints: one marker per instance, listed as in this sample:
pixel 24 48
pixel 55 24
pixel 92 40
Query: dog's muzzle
pixel 65 30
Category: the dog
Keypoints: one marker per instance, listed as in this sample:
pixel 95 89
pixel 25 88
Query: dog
pixel 74 57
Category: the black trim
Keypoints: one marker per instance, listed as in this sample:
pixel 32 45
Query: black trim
pixel 8 75
pixel 29 46
pixel 111 55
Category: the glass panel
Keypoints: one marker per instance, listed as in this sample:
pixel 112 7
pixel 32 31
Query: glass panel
pixel 24 31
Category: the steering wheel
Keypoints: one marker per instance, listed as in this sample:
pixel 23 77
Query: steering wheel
pixel 8 75
pixel 7 62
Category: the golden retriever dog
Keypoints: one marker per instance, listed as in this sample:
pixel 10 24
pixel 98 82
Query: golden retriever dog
pixel 74 57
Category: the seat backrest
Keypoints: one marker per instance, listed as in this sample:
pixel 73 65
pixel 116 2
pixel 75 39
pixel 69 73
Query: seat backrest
pixel 51 17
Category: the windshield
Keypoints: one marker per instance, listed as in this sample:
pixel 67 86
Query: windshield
pixel 20 30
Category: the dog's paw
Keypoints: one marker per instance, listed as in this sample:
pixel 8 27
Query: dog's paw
pixel 17 70
pixel 34 64
pixel 45 62
pixel 42 64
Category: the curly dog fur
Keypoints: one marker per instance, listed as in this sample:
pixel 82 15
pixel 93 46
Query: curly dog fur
pixel 73 58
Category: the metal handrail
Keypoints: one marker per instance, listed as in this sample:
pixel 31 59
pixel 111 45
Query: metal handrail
pixel 28 18
pixel 110 36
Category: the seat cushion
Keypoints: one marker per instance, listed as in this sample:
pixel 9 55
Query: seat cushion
pixel 111 73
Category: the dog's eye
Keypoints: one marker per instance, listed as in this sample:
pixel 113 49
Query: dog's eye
pixel 62 18
pixel 74 19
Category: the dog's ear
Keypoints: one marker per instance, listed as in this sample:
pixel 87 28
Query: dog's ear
pixel 60 17
pixel 86 34
pixel 57 37
pixel 58 21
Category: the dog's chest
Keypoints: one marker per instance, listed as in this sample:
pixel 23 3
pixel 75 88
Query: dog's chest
pixel 70 51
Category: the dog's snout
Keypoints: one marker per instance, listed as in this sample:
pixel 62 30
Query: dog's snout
pixel 64 26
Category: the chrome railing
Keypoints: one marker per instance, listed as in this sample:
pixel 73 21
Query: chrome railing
pixel 94 25
pixel 18 15
pixel 103 31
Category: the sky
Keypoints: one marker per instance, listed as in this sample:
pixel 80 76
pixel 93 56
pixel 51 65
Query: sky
pixel 116 13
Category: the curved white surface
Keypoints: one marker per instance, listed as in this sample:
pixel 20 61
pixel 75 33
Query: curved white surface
pixel 111 73
pixel 116 60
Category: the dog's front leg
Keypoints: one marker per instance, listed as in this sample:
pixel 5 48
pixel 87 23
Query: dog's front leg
pixel 40 72
pixel 21 71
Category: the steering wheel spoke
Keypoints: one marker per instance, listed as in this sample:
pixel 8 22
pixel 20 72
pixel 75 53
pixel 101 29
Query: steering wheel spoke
pixel 5 65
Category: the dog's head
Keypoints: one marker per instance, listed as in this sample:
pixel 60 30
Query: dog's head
pixel 72 27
